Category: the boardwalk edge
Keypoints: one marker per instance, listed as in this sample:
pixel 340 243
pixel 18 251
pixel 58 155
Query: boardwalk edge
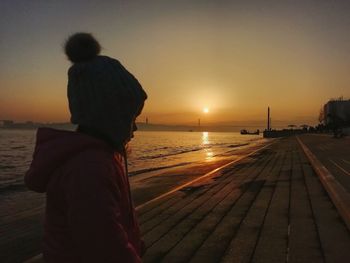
pixel 339 196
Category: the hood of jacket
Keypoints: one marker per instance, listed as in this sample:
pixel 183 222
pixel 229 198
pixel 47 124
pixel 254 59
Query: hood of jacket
pixel 53 148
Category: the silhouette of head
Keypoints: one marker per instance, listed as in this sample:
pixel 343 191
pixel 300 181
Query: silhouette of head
pixel 102 94
pixel 82 47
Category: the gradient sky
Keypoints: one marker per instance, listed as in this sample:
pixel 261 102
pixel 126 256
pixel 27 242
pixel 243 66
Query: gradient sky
pixel 235 57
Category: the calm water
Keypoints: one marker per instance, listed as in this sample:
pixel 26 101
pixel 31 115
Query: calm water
pixel 149 150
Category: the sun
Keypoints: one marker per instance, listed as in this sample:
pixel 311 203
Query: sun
pixel 205 110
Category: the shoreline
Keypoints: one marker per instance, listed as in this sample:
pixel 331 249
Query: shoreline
pixel 145 187
pixel 150 151
pixel 192 158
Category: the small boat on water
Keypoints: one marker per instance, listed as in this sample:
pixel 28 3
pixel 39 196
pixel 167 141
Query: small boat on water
pixel 246 132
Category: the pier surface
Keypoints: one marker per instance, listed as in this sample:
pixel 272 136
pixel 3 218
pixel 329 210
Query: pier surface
pixel 268 207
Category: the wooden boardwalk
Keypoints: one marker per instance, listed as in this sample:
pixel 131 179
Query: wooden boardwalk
pixel 269 208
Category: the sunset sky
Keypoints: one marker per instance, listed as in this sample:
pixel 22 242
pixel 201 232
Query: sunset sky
pixel 233 57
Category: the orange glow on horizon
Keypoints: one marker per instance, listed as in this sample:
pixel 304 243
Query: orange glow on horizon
pixel 221 63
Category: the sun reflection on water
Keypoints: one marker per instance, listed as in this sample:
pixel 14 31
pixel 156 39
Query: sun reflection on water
pixel 205 142
pixel 209 154
pixel 205 138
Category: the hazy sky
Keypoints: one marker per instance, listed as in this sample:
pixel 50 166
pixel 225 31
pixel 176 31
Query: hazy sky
pixel 234 57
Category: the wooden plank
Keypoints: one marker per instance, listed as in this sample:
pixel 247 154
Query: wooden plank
pixel 183 251
pixel 148 212
pixel 242 246
pixel 215 244
pixel 159 215
pixel 20 219
pixel 304 245
pixel 193 214
pixel 272 243
pixel 166 220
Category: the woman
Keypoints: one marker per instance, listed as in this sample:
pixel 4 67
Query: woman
pixel 89 213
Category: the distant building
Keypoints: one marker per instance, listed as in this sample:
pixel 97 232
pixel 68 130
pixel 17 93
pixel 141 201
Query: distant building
pixel 7 123
pixel 337 110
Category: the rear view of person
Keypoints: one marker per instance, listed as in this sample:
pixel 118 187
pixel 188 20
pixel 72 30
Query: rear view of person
pixel 89 213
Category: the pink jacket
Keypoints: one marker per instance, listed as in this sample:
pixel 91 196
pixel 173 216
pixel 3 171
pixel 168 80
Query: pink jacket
pixel 89 216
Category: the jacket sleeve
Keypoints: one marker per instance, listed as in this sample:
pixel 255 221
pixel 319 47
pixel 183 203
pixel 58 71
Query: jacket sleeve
pixel 94 214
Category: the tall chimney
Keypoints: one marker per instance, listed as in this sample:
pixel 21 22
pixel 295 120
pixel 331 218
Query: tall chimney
pixel 268 119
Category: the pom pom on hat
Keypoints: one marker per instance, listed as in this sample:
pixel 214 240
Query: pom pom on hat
pixel 102 94
pixel 81 47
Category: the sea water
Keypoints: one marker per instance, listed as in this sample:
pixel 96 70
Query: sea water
pixel 148 151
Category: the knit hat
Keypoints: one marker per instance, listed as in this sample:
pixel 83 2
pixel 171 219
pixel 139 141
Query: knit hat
pixel 102 94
